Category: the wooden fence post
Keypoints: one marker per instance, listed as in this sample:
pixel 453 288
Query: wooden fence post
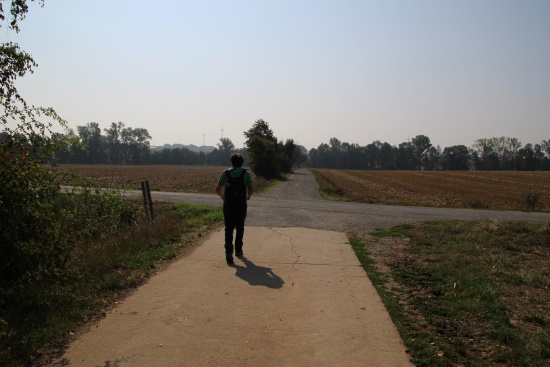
pixel 149 198
pixel 147 201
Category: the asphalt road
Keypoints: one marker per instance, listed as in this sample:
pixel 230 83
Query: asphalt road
pixel 296 203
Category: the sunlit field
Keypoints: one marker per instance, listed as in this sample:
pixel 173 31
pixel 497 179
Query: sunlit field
pixel 502 190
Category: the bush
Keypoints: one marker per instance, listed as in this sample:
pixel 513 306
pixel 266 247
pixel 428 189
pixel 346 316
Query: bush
pixel 40 226
pixel 476 204
pixel 532 200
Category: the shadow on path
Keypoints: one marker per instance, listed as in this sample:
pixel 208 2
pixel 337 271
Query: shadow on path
pixel 257 275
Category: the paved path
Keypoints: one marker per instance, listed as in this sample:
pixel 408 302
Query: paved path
pixel 299 298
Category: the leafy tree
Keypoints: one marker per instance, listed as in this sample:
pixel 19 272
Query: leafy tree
pixel 226 145
pixel 220 155
pixel 387 156
pixel 406 156
pixel 113 142
pixel 496 153
pixel 420 144
pixel 455 158
pixel 373 151
pixel 526 158
pixel 486 155
pixel 289 155
pixel 356 156
pixel 135 145
pixel 335 153
pixel 262 149
pixel 319 157
pixel 90 136
pixel 431 159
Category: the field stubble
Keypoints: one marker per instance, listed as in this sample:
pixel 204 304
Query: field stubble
pixel 501 190
pixel 197 179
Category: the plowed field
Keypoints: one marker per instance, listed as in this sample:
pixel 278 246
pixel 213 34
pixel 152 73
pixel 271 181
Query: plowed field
pixel 503 190
pixel 201 179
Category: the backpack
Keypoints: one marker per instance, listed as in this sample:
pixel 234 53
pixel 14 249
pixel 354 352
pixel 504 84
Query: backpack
pixel 235 189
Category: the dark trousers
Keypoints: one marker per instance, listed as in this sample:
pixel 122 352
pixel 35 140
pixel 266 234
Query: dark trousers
pixel 234 215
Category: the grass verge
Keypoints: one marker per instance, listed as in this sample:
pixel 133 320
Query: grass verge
pixel 465 293
pixel 326 189
pixel 97 275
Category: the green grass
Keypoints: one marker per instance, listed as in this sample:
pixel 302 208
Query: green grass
pixel 463 293
pixel 98 274
pixel 397 231
pixel 198 214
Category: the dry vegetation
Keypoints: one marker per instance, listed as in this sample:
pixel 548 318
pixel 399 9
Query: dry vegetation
pixel 502 190
pixel 163 177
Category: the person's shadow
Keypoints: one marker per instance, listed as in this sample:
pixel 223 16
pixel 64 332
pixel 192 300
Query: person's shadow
pixel 257 275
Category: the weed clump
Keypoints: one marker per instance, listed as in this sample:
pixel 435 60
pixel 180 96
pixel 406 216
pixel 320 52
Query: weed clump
pixel 477 204
pixel 532 200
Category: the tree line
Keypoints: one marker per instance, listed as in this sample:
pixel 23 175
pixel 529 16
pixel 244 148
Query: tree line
pixel 124 145
pixel 119 144
pixel 498 153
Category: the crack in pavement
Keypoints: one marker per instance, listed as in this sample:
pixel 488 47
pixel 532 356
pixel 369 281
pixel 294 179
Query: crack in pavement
pixel 292 247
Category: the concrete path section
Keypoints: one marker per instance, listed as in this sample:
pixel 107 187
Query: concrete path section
pixel 298 298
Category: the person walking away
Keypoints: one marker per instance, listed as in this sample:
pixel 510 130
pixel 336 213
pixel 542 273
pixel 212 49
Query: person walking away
pixel 235 188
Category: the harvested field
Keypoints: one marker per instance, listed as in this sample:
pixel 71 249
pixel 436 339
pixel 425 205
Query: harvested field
pixel 201 179
pixel 501 190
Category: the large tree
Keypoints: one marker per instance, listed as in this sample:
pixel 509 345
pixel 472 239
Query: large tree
pixel 421 145
pixel 90 136
pixel 220 156
pixel 455 158
pixel 290 153
pixel 262 148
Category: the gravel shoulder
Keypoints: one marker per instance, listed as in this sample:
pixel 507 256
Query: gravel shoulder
pixel 296 203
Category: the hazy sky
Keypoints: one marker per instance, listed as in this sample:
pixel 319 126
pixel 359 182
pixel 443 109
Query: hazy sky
pixel 355 70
